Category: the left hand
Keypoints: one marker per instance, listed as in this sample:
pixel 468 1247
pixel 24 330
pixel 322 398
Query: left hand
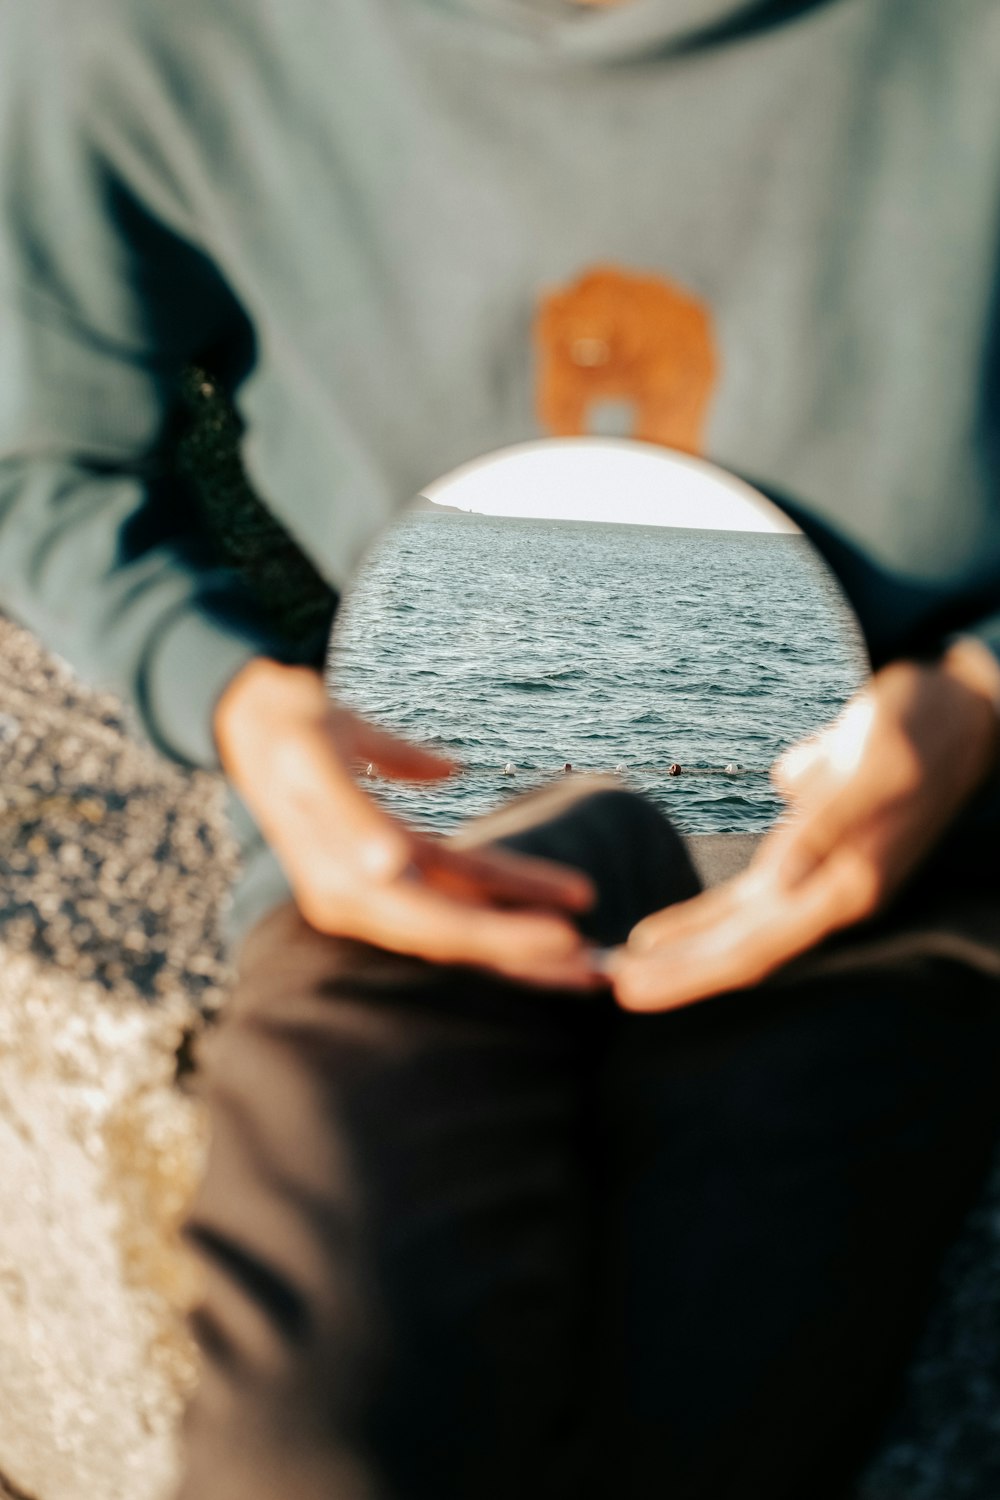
pixel 871 795
pixel 356 872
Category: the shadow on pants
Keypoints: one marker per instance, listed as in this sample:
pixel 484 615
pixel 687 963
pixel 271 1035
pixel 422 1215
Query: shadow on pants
pixel 463 1239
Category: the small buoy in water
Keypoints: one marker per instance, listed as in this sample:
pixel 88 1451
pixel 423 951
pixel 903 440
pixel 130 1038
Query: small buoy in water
pixel 621 769
pixel 567 768
pixel 675 770
pixel 509 768
pixel 733 767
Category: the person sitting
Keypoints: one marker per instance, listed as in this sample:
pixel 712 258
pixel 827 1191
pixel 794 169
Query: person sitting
pixel 489 1208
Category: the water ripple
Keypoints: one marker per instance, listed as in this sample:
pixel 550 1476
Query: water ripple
pixel 539 643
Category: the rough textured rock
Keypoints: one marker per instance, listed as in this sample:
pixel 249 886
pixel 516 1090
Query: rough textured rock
pixel 99 1152
pixel 113 869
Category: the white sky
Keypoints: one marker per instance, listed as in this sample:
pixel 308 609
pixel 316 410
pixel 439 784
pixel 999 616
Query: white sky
pixel 605 479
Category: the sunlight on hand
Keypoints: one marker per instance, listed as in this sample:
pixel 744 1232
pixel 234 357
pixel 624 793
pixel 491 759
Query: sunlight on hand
pixel 850 735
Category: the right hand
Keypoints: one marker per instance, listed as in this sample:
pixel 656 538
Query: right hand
pixel 872 794
pixel 358 873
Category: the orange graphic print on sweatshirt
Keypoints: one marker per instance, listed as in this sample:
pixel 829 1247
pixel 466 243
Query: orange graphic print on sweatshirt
pixel 621 336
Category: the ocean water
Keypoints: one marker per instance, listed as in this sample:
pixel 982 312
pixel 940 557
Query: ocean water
pixel 542 642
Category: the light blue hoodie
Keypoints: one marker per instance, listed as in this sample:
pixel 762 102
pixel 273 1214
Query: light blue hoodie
pixel 383 220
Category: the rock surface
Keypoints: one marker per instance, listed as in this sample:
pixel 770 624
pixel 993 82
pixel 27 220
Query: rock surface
pixel 114 869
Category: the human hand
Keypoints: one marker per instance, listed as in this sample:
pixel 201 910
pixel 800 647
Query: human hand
pixel 871 794
pixel 357 872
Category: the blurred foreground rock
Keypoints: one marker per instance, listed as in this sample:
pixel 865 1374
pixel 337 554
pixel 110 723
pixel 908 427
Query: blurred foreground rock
pixel 114 867
pixel 113 870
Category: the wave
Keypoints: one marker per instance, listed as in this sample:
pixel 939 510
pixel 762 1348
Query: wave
pixel 539 682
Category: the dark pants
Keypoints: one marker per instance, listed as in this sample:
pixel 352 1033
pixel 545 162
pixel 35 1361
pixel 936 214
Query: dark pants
pixel 467 1239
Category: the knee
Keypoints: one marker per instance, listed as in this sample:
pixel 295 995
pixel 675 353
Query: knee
pixel 636 858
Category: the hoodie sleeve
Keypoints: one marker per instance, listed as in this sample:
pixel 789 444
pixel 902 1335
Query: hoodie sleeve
pixel 103 300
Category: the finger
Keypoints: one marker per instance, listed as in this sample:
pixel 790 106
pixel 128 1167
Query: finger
pixel 409 917
pixel 684 919
pixel 756 885
pixel 570 974
pixel 393 755
pixel 795 849
pixel 751 943
pixel 517 879
pixel 786 857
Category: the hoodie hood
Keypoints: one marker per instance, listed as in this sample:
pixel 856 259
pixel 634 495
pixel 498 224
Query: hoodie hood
pixel 632 26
